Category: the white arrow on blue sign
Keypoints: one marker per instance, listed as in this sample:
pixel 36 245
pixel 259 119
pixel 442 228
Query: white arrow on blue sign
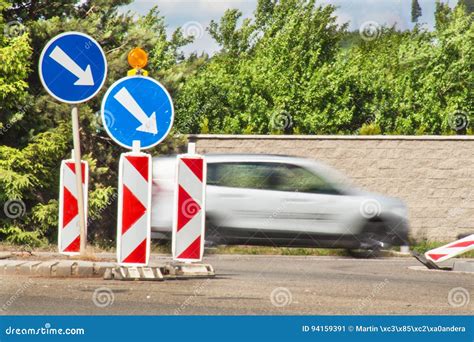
pixel 137 108
pixel 72 67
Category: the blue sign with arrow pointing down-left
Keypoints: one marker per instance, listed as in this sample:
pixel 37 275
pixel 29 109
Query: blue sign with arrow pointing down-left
pixel 72 67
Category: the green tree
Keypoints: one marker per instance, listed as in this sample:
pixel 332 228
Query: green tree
pixel 257 82
pixel 468 4
pixel 292 69
pixel 415 11
pixel 39 131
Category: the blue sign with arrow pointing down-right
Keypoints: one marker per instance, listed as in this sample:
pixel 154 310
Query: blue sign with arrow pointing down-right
pixel 137 108
pixel 72 67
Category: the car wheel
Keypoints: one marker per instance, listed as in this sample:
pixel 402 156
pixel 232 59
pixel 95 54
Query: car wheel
pixel 371 246
pixel 365 253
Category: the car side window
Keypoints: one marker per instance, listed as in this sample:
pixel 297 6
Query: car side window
pixel 299 179
pixel 238 175
pixel 267 176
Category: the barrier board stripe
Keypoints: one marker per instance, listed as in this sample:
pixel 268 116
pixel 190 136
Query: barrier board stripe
pixel 189 212
pixel 192 232
pixel 450 250
pixel 189 182
pixel 68 225
pixel 133 237
pixel 134 179
pixel 195 165
pixel 133 232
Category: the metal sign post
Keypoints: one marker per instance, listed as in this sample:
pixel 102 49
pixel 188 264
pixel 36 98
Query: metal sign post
pixel 137 113
pixel 73 68
pixel 80 194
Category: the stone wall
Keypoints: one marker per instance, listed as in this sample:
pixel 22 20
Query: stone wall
pixel 434 175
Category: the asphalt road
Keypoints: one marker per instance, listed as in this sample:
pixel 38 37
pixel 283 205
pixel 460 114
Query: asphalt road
pixel 254 285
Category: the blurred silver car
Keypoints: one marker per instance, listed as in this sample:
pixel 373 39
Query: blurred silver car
pixel 273 200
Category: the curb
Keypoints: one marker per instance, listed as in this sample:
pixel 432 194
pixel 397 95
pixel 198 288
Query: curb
pixel 55 268
pixel 103 269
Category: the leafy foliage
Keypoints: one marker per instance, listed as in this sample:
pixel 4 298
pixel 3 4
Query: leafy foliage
pixel 36 132
pixel 415 11
pixel 293 70
pixel 290 69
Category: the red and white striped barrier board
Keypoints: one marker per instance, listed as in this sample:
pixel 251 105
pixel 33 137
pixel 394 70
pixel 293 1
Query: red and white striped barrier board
pixel 452 249
pixel 134 206
pixel 69 235
pixel 189 213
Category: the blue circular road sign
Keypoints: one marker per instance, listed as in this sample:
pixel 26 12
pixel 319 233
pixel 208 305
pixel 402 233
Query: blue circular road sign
pixel 137 108
pixel 72 67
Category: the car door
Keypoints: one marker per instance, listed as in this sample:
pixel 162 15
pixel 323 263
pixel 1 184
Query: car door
pixel 311 204
pixel 239 200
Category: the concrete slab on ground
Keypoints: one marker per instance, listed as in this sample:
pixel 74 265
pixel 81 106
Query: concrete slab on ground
pixel 463 266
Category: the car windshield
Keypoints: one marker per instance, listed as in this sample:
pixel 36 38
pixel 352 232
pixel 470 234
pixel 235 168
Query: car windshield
pixel 334 177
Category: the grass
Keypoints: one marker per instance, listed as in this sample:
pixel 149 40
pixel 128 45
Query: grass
pixel 160 248
pixel 261 250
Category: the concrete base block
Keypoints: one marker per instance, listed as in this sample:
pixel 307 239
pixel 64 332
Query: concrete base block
pixel 4 264
pixel 463 266
pixel 54 268
pixel 100 268
pixel 146 273
pixel 133 273
pixel 28 268
pixel 189 270
pixel 46 268
pixel 83 269
pixel 120 273
pixel 63 268
pixel 108 274
pixel 12 268
pixel 158 274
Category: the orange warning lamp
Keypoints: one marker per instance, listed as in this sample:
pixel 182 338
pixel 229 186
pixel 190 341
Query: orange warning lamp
pixel 137 58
